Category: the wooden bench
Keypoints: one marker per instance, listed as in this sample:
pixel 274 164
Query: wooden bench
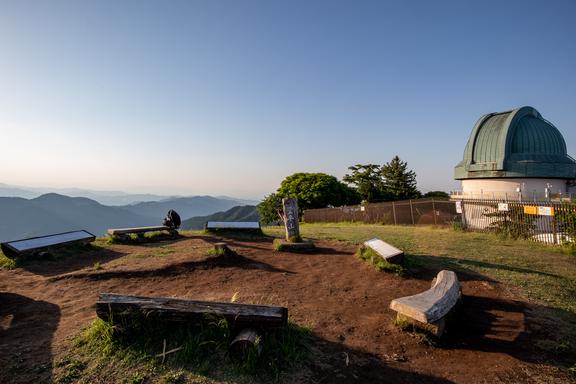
pixel 123 233
pixel 430 308
pixel 388 252
pixel 246 321
pixel 35 245
pixel 232 225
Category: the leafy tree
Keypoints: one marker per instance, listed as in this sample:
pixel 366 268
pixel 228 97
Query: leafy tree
pixel 399 181
pixel 441 194
pixel 367 181
pixel 270 209
pixel 317 190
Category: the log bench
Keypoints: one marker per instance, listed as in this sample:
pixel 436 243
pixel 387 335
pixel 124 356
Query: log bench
pixel 40 244
pixel 388 252
pixel 246 321
pixel 124 233
pixel 429 308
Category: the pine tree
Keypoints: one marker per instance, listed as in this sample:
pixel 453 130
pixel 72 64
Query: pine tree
pixel 399 181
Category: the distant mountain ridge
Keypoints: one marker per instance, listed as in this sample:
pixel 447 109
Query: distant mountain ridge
pixel 115 198
pixel 239 213
pixel 185 206
pixel 54 213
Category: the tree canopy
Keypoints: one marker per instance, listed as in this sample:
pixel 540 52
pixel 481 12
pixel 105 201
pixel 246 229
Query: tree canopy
pixel 399 181
pixel 391 181
pixel 313 190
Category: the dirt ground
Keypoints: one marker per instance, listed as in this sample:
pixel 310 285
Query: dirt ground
pixel 344 300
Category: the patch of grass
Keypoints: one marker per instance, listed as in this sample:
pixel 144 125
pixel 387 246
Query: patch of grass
pixel 372 257
pixel 216 252
pixel 71 370
pixel 6 262
pixel 409 326
pixel 304 246
pixel 139 238
pixel 191 351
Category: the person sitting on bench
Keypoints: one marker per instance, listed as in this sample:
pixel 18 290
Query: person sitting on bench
pixel 172 220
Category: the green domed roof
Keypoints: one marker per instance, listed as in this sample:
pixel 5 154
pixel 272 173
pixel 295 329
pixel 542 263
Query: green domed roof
pixel 518 143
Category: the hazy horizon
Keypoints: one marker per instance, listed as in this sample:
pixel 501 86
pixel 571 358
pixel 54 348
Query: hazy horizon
pixel 229 98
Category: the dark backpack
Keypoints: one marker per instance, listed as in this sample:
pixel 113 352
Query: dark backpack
pixel 172 220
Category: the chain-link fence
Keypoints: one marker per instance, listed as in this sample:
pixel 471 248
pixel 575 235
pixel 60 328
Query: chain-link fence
pixel 544 221
pixel 408 212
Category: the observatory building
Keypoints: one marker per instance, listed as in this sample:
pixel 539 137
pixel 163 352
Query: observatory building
pixel 516 155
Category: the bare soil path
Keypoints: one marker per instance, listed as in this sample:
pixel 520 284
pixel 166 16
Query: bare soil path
pixel 343 300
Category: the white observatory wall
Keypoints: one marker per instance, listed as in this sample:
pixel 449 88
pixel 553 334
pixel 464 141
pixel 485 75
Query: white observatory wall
pixel 508 188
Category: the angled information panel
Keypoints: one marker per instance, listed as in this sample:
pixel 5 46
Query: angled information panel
pixel 232 225
pixel 387 251
pixel 36 244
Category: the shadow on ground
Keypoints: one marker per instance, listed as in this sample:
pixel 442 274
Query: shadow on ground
pixel 26 330
pixel 66 260
pixel 221 261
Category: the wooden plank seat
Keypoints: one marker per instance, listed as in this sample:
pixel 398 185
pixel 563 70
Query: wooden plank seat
pixel 248 323
pixel 125 232
pixel 234 225
pixel 263 317
pixel 430 308
pixel 388 252
pixel 36 245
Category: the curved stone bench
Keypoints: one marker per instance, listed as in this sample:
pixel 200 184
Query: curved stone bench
pixel 431 307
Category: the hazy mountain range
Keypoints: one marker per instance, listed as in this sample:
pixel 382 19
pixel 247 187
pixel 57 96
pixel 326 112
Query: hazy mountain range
pixel 117 198
pixel 53 213
pixel 239 213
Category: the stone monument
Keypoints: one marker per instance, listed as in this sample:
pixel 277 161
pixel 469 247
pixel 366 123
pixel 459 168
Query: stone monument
pixel 290 213
pixel 293 241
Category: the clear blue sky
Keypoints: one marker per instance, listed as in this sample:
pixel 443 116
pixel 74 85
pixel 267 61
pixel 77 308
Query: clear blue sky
pixel 229 97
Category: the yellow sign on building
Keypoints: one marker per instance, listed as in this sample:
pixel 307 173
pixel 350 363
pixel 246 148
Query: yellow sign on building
pixel 542 211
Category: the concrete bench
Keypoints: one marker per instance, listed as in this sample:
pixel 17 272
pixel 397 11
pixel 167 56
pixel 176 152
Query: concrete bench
pixel 35 245
pixel 232 225
pixel 388 252
pixel 431 307
pixel 123 233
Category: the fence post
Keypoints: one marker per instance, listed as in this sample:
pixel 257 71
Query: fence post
pixel 434 212
pixel 464 223
pixel 394 212
pixel 411 212
pixel 554 234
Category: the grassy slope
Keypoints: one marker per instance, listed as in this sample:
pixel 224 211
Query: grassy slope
pixel 541 272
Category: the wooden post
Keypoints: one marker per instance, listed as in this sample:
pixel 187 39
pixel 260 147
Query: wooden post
pixel 411 212
pixel 394 212
pixel 290 206
pixel 434 212
pixel 248 340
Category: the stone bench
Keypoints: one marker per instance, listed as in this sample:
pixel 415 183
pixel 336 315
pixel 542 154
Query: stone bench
pixel 430 308
pixel 388 252
pixel 123 233
pixel 36 245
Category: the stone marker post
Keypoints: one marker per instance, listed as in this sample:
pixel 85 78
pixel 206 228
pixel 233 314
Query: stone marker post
pixel 290 206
